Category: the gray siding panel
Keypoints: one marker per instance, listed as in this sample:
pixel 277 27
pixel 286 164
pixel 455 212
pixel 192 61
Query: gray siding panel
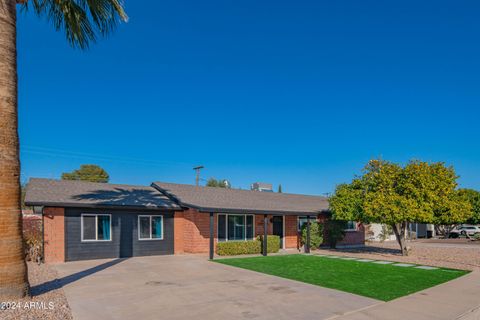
pixel 124 231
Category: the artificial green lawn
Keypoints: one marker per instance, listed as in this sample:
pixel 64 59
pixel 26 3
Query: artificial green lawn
pixel 382 282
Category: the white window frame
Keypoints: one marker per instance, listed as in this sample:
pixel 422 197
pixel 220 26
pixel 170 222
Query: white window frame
pixel 96 227
pixel 354 229
pixel 226 226
pixel 313 218
pixel 149 216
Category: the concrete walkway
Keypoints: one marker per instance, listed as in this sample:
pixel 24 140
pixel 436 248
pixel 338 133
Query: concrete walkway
pixel 191 287
pixel 457 299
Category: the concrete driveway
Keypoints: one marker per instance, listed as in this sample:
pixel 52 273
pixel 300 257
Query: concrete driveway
pixel 191 287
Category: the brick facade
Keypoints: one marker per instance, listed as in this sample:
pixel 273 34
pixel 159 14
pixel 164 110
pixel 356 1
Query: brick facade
pixel 259 225
pixel 178 232
pixel 54 229
pixel 192 231
pixel 291 232
pixel 353 238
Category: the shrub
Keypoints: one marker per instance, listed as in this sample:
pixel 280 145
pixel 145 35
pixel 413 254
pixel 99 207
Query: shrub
pixel 273 243
pixel 32 237
pixel 316 234
pixel 232 248
pixel 335 232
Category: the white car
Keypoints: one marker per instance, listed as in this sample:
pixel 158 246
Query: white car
pixel 464 230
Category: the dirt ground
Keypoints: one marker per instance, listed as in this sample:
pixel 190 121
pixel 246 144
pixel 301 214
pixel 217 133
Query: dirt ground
pixel 449 253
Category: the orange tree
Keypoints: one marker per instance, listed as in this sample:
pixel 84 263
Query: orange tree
pixel 391 194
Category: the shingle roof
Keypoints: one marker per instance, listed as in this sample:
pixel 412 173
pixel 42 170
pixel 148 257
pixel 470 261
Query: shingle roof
pixel 84 194
pixel 210 199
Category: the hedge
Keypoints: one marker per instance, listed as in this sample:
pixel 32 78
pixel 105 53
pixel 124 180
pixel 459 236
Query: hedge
pixel 233 248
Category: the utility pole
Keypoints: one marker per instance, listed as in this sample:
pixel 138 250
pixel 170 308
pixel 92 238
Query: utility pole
pixel 197 171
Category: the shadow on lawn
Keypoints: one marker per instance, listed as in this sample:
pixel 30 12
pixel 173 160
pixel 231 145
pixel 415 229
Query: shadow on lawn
pixel 59 283
pixel 370 249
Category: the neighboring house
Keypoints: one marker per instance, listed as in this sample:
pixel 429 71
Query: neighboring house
pixel 261 186
pixel 84 220
pixel 376 232
pixel 421 230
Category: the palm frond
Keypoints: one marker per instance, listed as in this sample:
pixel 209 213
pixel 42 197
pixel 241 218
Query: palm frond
pixel 82 20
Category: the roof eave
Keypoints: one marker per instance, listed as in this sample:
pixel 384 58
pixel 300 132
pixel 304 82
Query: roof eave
pixel 255 211
pixel 98 206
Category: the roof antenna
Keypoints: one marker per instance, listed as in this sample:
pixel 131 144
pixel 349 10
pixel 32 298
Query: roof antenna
pixel 197 177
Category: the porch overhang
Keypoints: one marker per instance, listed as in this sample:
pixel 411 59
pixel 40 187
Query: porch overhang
pixel 256 211
pixel 265 214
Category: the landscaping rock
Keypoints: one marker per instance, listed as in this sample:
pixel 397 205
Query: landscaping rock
pixel 47 300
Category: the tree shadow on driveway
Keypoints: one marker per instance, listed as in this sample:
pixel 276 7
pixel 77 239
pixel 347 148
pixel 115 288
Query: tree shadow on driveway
pixel 59 283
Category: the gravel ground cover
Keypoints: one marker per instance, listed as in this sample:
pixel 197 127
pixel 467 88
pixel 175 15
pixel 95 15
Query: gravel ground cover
pixel 47 300
pixel 445 255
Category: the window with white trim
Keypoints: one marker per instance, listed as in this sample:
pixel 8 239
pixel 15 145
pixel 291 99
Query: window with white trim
pixel 96 227
pixel 303 220
pixel 150 227
pixel 231 227
pixel 350 226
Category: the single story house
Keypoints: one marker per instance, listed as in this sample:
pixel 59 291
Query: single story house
pixel 382 232
pixel 85 220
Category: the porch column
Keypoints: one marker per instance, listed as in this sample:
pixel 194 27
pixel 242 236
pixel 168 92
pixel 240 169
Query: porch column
pixel 307 242
pixel 211 235
pixel 265 231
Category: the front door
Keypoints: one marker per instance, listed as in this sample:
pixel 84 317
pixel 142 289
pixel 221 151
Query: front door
pixel 278 228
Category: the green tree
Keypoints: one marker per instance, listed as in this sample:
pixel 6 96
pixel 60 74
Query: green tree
pixel 221 183
pixel 473 196
pixel 82 21
pixel 279 188
pixel 87 172
pixel 316 234
pixel 388 193
pixel 335 230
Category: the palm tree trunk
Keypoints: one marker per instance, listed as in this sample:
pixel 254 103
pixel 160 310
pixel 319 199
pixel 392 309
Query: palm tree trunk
pixel 13 269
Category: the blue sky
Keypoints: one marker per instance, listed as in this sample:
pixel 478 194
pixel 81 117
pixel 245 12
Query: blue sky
pixel 301 93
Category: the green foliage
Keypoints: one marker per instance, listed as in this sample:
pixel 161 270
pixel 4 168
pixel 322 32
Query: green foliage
pixel 221 183
pixel 473 197
pixel 273 243
pixel 316 234
pixel 335 231
pixel 82 21
pixel 279 188
pixel 232 248
pixel 87 172
pixel 387 193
